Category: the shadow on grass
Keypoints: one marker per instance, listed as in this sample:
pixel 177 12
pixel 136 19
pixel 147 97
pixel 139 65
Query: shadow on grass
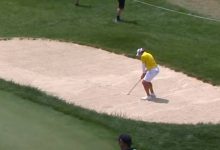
pixel 134 22
pixel 83 6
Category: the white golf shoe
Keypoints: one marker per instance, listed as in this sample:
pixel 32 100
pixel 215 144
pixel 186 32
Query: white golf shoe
pixel 151 97
pixel 146 98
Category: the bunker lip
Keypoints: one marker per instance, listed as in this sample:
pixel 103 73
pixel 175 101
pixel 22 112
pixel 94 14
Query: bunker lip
pixel 100 80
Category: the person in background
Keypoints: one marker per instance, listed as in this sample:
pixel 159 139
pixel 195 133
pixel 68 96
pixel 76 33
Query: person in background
pixel 121 5
pixel 125 142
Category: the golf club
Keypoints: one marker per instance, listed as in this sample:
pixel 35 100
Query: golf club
pixel 133 87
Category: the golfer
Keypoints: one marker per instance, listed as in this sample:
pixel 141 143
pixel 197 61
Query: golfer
pixel 125 142
pixel 150 70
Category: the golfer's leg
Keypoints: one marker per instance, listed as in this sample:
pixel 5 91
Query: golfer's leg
pixel 151 88
pixel 151 74
pixel 146 87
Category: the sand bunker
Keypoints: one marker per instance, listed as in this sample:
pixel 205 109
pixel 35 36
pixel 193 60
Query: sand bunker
pixel 99 80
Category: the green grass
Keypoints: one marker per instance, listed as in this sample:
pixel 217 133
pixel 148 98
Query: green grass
pixel 29 126
pixel 30 119
pixel 181 42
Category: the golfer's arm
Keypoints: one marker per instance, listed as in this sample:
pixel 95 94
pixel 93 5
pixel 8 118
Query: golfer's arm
pixel 144 68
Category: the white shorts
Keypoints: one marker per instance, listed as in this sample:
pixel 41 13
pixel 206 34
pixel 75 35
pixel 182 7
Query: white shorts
pixel 151 74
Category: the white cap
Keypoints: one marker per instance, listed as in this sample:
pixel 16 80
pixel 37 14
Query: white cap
pixel 139 51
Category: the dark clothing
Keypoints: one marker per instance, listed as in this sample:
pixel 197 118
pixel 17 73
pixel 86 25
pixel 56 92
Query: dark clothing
pixel 77 2
pixel 125 141
pixel 121 4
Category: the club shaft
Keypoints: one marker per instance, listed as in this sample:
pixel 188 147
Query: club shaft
pixel 134 86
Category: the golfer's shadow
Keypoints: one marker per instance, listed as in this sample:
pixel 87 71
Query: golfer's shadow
pixel 160 100
pixel 134 22
pixel 84 6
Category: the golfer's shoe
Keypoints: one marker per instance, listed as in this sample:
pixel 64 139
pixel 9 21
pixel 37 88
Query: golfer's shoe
pixel 117 20
pixel 146 98
pixel 153 96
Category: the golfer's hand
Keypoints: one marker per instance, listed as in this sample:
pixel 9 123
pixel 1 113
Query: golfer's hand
pixel 142 76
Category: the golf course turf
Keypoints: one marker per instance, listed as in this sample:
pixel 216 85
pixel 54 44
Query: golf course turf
pixel 27 125
pixel 30 119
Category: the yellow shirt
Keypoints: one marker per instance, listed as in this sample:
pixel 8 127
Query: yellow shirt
pixel 148 60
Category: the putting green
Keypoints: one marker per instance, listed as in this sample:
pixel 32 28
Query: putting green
pixel 25 125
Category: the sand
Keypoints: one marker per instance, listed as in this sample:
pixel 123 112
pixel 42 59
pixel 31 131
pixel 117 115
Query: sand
pixel 99 80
